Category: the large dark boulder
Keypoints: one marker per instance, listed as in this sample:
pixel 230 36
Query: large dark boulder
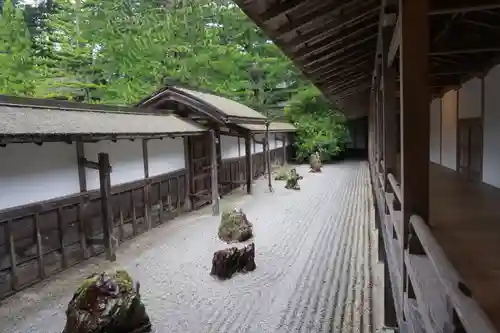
pixel 229 261
pixel 235 227
pixel 107 303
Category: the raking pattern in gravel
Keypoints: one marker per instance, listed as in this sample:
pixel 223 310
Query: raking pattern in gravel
pixel 313 266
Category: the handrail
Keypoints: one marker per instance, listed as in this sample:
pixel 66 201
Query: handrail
pixel 468 311
pixel 395 186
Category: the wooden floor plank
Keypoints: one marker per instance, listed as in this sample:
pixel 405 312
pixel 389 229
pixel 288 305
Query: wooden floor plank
pixel 465 219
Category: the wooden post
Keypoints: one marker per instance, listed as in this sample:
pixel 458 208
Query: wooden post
pixel 11 250
pixel 239 147
pixel 371 121
pixel 415 118
pixel 267 157
pixel 389 109
pixel 80 155
pixel 145 157
pixel 248 161
pixel 107 217
pixel 284 141
pixel 147 186
pixel 188 204
pixel 215 172
pixel 39 247
pixel 219 159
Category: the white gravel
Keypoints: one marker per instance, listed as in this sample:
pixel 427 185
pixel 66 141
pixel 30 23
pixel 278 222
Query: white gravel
pixel 312 254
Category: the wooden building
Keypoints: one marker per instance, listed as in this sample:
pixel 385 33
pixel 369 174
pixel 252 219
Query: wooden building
pixel 426 74
pixel 76 180
pixel 228 119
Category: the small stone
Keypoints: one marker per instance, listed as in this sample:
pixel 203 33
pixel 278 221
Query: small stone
pixel 107 303
pixel 235 227
pixel 227 262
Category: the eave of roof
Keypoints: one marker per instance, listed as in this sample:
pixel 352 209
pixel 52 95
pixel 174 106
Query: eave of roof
pixel 333 42
pixel 38 121
pixel 274 127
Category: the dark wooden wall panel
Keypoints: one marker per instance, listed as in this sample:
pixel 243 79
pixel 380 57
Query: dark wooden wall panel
pixel 61 229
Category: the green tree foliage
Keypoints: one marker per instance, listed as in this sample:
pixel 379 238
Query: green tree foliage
pixel 319 127
pixel 119 51
pixel 16 56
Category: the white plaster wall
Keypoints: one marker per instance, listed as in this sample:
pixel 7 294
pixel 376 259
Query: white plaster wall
pixel 491 137
pixel 272 141
pixel 469 99
pixel 124 156
pixel 242 146
pixel 449 130
pixel 435 139
pixel 279 143
pixel 31 173
pixel 165 156
pixel 229 146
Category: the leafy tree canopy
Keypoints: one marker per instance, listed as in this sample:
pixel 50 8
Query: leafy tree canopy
pixel 119 51
pixel 319 128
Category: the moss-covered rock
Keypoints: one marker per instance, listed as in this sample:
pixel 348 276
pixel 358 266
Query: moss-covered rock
pixel 107 303
pixel 235 227
pixel 292 181
pixel 315 163
pixel 281 174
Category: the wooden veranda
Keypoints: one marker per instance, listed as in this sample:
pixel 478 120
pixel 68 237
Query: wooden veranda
pixel 388 59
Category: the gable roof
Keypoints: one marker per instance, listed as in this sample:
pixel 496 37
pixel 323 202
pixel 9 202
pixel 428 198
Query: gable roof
pixel 220 108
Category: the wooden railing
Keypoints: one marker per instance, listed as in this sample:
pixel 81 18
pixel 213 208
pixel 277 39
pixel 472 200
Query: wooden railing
pixel 429 294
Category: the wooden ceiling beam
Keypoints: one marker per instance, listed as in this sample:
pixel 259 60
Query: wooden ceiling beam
pixel 486 5
pixel 327 55
pixel 464 51
pixel 281 8
pixel 337 86
pixel 312 50
pixel 354 76
pixel 319 13
pixel 325 31
pixel 344 71
pixel 329 65
pixel 351 91
pixel 395 42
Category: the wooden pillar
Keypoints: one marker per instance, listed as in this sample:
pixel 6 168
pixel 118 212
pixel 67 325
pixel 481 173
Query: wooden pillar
pixel 267 156
pixel 284 141
pixel 147 192
pixel 107 216
pixel 248 161
pixel 80 155
pixel 380 117
pixel 239 147
pixel 388 109
pixel 188 204
pixel 145 157
pixel 371 134
pixel 219 158
pixel 215 173
pixel 415 120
